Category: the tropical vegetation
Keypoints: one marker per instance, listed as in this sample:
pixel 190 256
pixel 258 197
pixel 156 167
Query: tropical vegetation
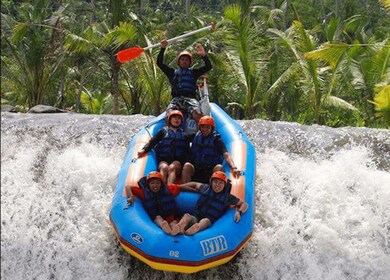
pixel 308 61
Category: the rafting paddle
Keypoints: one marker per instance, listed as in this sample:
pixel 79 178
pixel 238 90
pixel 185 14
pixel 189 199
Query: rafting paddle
pixel 204 102
pixel 131 53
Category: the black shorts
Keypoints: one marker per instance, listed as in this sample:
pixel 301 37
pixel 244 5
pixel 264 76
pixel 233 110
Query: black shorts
pixel 202 175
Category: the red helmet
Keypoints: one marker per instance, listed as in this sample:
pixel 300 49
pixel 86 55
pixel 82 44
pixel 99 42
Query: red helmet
pixel 155 175
pixel 172 113
pixel 219 175
pixel 186 53
pixel 206 120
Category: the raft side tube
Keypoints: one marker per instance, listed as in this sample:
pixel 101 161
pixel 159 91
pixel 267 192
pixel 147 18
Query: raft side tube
pixel 211 247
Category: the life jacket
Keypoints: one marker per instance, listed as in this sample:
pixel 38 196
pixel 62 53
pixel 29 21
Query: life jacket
pixel 161 203
pixel 173 146
pixel 183 83
pixel 213 205
pixel 204 152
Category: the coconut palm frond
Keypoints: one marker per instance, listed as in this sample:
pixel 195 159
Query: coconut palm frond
pixel 309 77
pixel 333 30
pixel 77 44
pixel 375 66
pixel 285 41
pixel 339 77
pixel 93 34
pixel 331 53
pixel 275 15
pixel 302 38
pixel 233 14
pixel 283 79
pixel 245 42
pixel 382 99
pixel 381 61
pixel 355 24
pixel 244 53
pixel 7 22
pixel 358 79
pixel 382 104
pixel 334 101
pixel 234 61
pixel 19 32
pixel 386 4
pixel 124 33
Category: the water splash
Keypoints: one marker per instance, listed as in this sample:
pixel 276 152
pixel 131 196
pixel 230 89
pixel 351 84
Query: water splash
pixel 322 201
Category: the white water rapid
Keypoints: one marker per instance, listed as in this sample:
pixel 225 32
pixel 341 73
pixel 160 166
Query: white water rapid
pixel 322 201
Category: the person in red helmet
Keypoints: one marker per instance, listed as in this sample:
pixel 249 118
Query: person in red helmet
pixel 157 199
pixel 215 199
pixel 207 154
pixel 183 79
pixel 171 145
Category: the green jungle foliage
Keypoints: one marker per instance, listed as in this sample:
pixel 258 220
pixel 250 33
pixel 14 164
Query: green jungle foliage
pixel 308 61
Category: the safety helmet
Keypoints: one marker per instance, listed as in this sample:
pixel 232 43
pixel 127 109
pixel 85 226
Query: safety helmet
pixel 172 113
pixel 155 175
pixel 206 120
pixel 186 53
pixel 219 175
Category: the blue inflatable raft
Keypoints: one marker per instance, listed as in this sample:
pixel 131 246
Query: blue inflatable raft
pixel 216 245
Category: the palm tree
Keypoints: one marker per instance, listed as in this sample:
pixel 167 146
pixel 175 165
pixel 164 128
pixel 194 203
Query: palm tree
pixel 117 10
pixel 147 88
pixel 360 67
pixel 99 44
pixel 83 60
pixel 318 84
pixel 33 62
pixel 244 54
pixel 108 38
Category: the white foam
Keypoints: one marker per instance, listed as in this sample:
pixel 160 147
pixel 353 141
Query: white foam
pixel 318 215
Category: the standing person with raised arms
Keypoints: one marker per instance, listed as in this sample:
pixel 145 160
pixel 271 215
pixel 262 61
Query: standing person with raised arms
pixel 183 79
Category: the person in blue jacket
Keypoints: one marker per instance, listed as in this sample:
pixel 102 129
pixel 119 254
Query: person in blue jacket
pixel 215 199
pixel 171 145
pixel 207 154
pixel 157 198
pixel 183 79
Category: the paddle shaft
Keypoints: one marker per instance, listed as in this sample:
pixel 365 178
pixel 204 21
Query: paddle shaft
pixel 205 89
pixel 204 102
pixel 170 41
pixel 131 53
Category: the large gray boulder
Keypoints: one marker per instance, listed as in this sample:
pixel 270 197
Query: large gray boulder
pixel 45 109
pixel 8 108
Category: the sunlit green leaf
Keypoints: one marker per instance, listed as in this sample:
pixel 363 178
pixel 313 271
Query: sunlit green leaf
pixel 331 53
pixel 386 4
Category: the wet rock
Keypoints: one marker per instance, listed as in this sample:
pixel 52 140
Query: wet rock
pixel 8 108
pixel 45 109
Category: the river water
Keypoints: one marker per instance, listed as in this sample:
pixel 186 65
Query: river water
pixel 322 201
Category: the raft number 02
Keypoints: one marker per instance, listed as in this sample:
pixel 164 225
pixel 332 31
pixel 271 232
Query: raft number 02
pixel 174 254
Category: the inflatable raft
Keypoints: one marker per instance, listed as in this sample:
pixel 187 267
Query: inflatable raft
pixel 214 246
